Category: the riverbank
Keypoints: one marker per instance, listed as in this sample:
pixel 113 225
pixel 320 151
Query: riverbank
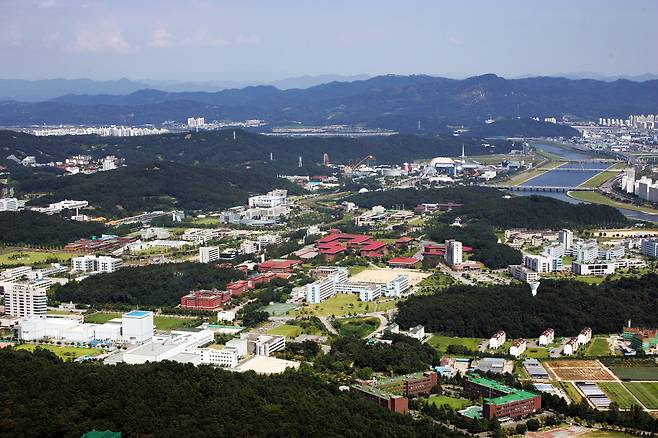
pixel 529 174
pixel 597 198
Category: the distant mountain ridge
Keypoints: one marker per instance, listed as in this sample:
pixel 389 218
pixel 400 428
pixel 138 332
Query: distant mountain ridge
pixel 391 101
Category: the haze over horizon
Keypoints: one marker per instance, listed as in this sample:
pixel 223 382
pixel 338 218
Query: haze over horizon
pixel 216 40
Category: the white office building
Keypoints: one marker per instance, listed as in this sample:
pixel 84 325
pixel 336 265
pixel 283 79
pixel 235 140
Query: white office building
pixel 612 253
pixel 540 263
pixel 8 204
pixel 454 252
pixel 137 326
pixel 95 264
pixel 275 198
pixel 566 238
pixel 320 290
pixel 396 287
pixel 587 251
pixel 226 357
pixel 522 273
pixel 596 268
pixel 26 299
pixel 209 254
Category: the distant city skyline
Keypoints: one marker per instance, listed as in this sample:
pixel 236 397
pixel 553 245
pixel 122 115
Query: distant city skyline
pixel 206 40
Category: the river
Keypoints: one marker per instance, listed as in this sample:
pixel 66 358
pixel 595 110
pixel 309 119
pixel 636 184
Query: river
pixel 582 171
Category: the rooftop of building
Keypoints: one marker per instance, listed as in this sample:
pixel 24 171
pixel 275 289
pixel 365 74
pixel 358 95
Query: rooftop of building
pixel 138 313
pixel 398 379
pixel 403 261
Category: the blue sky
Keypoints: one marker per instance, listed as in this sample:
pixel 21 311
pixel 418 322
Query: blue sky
pixel 266 40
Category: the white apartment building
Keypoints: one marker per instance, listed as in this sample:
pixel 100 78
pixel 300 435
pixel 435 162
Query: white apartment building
pixel 195 122
pixel 497 340
pixel 417 332
pixel 454 252
pixel 546 337
pixel 26 299
pixel 8 204
pixel 518 347
pixel 570 347
pixel 585 336
pixel 95 264
pixel 109 163
pixel 250 247
pixel 272 199
pixel 208 254
pixel 600 268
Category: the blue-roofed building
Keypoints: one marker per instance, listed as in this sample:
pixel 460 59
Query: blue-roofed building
pixel 137 326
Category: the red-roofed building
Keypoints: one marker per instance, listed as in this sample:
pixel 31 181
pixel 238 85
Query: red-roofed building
pixel 434 250
pixel 374 249
pixel 403 242
pixel 237 287
pixel 403 262
pixel 211 300
pixel 331 253
pixel 350 240
pixel 279 265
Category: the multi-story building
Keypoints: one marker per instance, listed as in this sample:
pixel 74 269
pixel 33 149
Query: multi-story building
pixel 612 253
pixel 522 273
pixel 209 254
pixel 272 199
pixel 497 340
pixel 518 347
pixel 566 238
pixel 201 235
pixel 226 357
pixel 546 337
pixel 95 264
pixel 570 347
pixel 26 299
pixel 137 326
pixel 649 247
pixel 410 384
pixel 599 268
pixel 396 286
pixel 8 204
pixel 392 402
pixel 211 300
pixel 320 290
pixel 454 252
pixel 264 345
pixel 587 252
pixel 585 336
pixel 500 400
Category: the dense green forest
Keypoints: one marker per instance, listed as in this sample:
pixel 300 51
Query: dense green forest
pixel 220 149
pixel 567 306
pixel 490 204
pixel 168 399
pixel 404 355
pixel 153 285
pixel 159 186
pixel 32 228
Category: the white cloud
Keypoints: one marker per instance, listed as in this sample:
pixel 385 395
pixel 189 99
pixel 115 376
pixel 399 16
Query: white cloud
pixel 99 41
pixel 47 4
pixel 161 38
pixel 454 40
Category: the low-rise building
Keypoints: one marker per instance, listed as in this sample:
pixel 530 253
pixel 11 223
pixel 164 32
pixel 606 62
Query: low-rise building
pixel 596 268
pixel 417 332
pixel 522 273
pixel 501 401
pixel 210 300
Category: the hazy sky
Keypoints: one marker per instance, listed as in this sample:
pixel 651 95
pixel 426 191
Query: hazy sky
pixel 271 39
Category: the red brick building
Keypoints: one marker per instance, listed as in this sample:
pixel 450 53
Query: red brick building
pixel 404 242
pixel 279 265
pixel 374 249
pixel 501 400
pixel 394 403
pixel 211 300
pixel 420 385
pixel 404 262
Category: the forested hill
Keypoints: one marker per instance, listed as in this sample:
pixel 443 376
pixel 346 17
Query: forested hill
pixel 220 148
pixel 32 228
pixel 169 399
pixel 156 186
pixel 566 306
pixel 395 102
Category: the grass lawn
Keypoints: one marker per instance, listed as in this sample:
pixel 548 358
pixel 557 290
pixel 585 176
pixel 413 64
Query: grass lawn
pixel 341 305
pixel 453 402
pixel 589 279
pixel 168 322
pixel 618 394
pixel 440 343
pixel 360 327
pixel 65 353
pixel 287 330
pixel 646 392
pixel 101 317
pixel 571 391
pixel 60 312
pixel 598 347
pixel 356 269
pixel 536 353
pixel 598 179
pixel 433 283
pixel 597 198
pixel 17 258
pixel 278 309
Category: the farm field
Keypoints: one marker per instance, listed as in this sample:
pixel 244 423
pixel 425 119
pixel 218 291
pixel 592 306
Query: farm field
pixel 598 347
pixel 287 330
pixel 571 370
pixel 65 353
pixel 635 373
pixel 360 327
pixel 646 392
pixel 571 391
pixel 341 305
pixel 618 394
pixel 440 343
pixel 453 402
pixel 18 258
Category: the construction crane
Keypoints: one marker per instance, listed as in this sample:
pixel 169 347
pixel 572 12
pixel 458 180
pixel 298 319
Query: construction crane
pixel 350 168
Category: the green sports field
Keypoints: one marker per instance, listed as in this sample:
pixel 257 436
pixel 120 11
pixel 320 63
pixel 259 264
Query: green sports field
pixel 646 392
pixel 618 394
pixel 287 330
pixel 18 258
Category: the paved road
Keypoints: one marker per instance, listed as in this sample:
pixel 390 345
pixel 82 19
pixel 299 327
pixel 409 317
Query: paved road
pixel 383 322
pixel 328 325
